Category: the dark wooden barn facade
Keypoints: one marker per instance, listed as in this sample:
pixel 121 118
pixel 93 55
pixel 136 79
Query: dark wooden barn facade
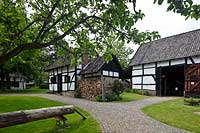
pixel 169 66
pixel 97 77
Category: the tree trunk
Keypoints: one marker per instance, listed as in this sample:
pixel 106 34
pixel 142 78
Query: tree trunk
pixel 2 76
pixel 24 116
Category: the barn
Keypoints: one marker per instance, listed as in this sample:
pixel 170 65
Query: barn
pixel 63 76
pixel 98 76
pixel 169 66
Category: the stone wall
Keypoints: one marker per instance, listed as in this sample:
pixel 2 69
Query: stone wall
pixel 90 87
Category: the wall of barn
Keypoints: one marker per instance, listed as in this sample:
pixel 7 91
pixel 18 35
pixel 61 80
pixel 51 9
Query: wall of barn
pixel 144 76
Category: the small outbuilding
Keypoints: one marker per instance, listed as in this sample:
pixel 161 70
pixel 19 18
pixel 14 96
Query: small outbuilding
pixel 62 76
pixel 169 66
pixel 13 81
pixel 97 77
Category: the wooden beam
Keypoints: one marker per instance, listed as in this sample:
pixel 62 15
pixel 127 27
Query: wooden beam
pixel 24 116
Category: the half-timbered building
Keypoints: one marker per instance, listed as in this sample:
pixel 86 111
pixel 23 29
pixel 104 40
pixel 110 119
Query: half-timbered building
pixel 169 66
pixel 97 77
pixel 62 76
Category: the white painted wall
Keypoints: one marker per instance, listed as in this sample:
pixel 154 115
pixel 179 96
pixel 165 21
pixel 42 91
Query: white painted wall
pixel 150 71
pixel 137 72
pixel 136 80
pixel 149 65
pixel 148 80
pixel 178 61
pixel 196 59
pixel 149 87
pixel 136 86
pixel 137 67
pixel 163 63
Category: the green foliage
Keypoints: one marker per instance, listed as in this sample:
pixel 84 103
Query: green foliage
pixel 176 114
pixel 33 90
pixel 117 89
pixel 140 92
pixel 43 86
pixel 130 96
pixel 99 99
pixel 77 93
pixel 89 26
pixel 75 122
pixel 184 7
pixel 191 101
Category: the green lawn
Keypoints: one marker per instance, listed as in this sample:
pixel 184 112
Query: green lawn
pixel 27 91
pixel 129 96
pixel 77 125
pixel 175 113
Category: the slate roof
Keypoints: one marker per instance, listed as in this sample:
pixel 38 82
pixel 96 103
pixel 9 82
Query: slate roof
pixel 59 62
pixel 173 47
pixel 93 67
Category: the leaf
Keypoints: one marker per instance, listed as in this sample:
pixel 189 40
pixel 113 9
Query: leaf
pixel 160 2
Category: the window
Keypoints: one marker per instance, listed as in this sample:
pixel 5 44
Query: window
pixel 105 73
pixel 53 80
pixel 67 78
pixel 116 74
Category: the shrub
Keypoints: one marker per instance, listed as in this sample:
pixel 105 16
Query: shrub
pixel 77 93
pixel 43 86
pixel 191 102
pixel 117 88
pixel 99 98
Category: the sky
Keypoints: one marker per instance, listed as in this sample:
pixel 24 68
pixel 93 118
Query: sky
pixel 166 23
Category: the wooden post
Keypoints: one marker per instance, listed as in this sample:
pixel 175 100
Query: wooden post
pixel 20 117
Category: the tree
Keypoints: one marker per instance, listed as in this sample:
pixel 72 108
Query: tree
pixel 33 24
pixel 184 7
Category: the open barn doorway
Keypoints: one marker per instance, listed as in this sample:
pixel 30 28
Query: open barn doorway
pixel 171 81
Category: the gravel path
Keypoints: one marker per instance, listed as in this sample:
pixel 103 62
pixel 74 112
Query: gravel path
pixel 121 117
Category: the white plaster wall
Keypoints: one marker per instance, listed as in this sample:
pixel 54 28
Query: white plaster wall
pixel 71 76
pixel 136 86
pixel 53 87
pixel 72 87
pixel 137 72
pixel 137 67
pixel 149 71
pixel 148 80
pixel 164 63
pixel 149 65
pixel 149 87
pixel 136 80
pixel 196 59
pixel 64 86
pixel 178 61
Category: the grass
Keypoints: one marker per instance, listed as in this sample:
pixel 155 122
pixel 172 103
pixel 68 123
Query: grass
pixel 129 96
pixel 26 91
pixel 175 113
pixel 77 125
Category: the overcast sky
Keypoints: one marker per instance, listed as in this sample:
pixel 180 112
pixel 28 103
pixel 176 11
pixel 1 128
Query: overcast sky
pixel 166 23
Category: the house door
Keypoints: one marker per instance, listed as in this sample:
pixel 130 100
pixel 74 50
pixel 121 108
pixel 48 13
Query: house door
pixel 192 80
pixel 59 82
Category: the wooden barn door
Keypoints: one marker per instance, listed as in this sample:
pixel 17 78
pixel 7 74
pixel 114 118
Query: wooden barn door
pixel 192 80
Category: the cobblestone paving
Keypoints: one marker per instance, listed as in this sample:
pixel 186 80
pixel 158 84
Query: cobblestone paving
pixel 121 117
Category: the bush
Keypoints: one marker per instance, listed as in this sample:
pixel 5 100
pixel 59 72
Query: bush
pixel 43 85
pixel 117 88
pixel 77 93
pixel 99 98
pixel 191 102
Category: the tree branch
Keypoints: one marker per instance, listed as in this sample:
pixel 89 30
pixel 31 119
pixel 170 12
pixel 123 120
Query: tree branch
pixel 34 45
pixel 47 20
